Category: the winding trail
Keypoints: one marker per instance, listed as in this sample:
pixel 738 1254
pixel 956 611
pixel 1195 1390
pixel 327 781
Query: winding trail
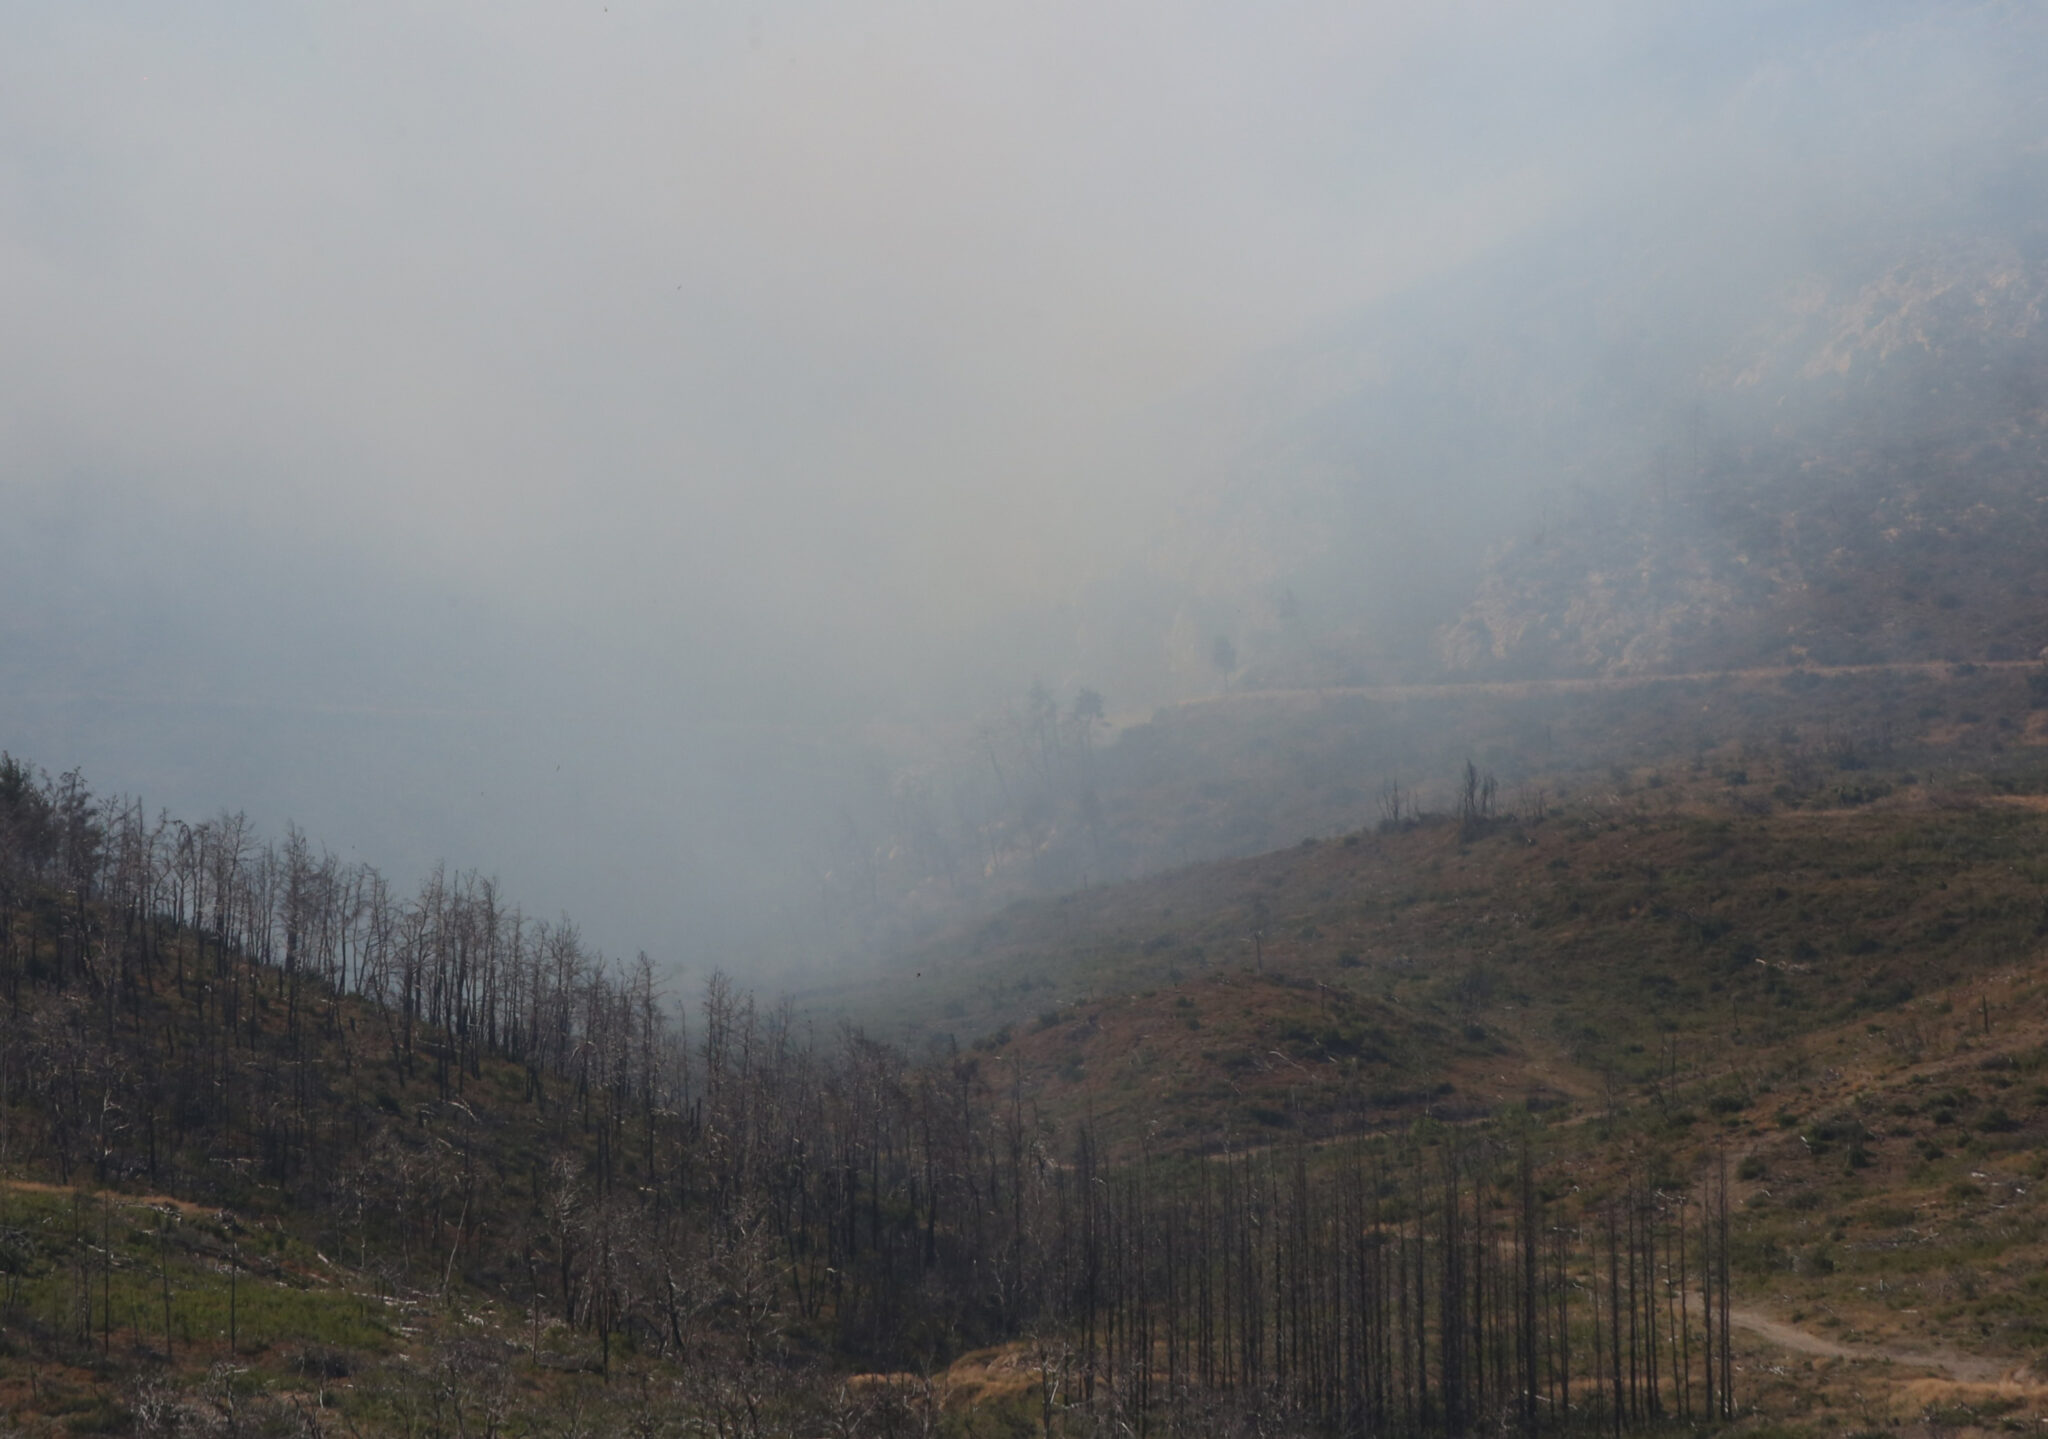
pixel 1950 1363
pixel 74 1191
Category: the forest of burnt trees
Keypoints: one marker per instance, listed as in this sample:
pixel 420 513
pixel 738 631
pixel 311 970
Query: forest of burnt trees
pixel 447 1094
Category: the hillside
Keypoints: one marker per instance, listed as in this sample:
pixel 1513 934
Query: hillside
pixel 286 1153
pixel 1258 770
pixel 314 1158
pixel 1844 989
pixel 1868 487
pixel 1562 946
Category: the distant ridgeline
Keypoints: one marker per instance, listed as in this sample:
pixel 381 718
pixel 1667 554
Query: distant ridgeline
pixel 458 1101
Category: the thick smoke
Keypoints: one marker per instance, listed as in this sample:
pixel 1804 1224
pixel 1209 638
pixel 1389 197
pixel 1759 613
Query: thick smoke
pixel 651 454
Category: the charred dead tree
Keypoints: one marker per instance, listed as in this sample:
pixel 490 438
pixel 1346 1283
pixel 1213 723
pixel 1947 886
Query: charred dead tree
pixel 198 1013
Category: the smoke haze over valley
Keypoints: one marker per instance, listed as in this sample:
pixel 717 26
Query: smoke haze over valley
pixel 759 719
pixel 651 455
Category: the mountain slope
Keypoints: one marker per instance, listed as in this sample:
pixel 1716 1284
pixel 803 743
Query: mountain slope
pixel 1871 485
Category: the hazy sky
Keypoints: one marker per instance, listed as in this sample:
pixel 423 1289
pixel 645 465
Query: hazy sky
pixel 539 434
pixel 732 291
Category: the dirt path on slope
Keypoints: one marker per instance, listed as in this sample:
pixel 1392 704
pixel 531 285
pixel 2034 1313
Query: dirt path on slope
pixel 1951 1364
pixel 74 1191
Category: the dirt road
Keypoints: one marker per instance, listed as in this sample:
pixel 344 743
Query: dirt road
pixel 1523 689
pixel 1965 1368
